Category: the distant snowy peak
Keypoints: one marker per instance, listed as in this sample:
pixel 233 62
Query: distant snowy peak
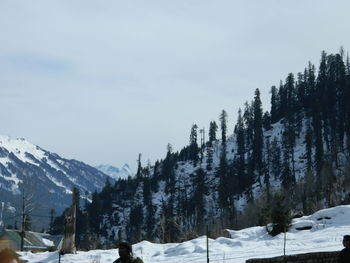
pixel 115 172
pixel 19 147
pixel 46 174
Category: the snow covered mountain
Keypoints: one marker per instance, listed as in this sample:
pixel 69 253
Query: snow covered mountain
pixel 324 232
pixel 190 191
pixel 47 177
pixel 299 149
pixel 115 172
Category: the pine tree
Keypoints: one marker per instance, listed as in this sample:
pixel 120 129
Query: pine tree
pixel 267 121
pixel 290 98
pixel 210 153
pixel 289 133
pixel 317 113
pixel 150 208
pixel 147 194
pixel 193 150
pixel 134 228
pixel 300 103
pixel 332 106
pixel 139 167
pixel 223 167
pixel 213 127
pixel 275 152
pixel 311 86
pixel 274 104
pixel 168 172
pixel 267 170
pixel 287 178
pixel 257 134
pixel 301 92
pixel 340 86
pixel 347 105
pixel 289 139
pixel 241 150
pixel 308 148
pixel 280 215
pixel 288 143
pixel 202 146
pixel 323 91
pixel 223 126
pixel 308 198
pixel 168 227
pixel 200 190
pixel 248 118
pixel 106 197
pixel 223 160
pixel 150 220
pixel 95 213
pixel 282 94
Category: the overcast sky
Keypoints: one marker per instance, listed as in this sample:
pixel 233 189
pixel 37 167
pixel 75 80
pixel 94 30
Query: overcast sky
pixel 102 81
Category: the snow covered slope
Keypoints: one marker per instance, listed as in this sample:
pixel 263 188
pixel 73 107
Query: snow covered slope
pixel 115 172
pixel 49 177
pixel 327 229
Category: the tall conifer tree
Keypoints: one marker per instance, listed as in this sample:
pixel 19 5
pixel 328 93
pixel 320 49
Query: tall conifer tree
pixel 258 134
pixel 223 167
pixel 213 127
pixel 274 104
pixel 193 150
pixel 241 150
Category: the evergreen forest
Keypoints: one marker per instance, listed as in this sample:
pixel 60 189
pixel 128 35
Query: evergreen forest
pixel 288 161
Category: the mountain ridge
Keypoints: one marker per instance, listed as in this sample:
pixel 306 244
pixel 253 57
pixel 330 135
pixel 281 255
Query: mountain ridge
pixel 114 172
pixel 25 167
pixel 300 150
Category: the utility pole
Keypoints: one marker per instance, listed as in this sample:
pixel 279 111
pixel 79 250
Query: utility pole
pixel 207 245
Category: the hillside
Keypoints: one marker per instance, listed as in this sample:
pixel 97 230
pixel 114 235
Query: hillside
pixel 327 229
pixel 298 150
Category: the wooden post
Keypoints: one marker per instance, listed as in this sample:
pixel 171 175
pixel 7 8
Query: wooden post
pixel 207 245
pixel 285 241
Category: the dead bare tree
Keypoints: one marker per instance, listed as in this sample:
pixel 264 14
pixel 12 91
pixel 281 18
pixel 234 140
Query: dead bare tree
pixel 68 246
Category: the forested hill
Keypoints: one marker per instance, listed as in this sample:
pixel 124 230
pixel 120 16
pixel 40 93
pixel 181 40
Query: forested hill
pixel 294 157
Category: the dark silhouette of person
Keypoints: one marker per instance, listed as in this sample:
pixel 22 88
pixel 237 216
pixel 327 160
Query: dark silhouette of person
pixel 8 256
pixel 126 255
pixel 344 255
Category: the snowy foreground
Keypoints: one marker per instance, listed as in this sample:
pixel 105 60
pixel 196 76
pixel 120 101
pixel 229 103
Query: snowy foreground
pixel 327 229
